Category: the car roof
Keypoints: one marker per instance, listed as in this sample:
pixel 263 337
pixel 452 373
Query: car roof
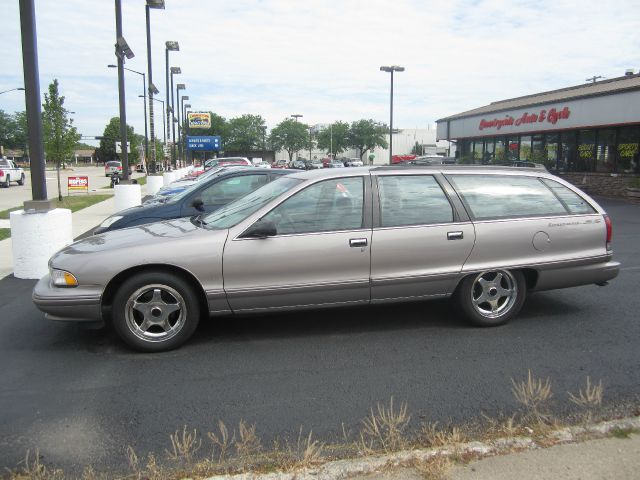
pixel 444 168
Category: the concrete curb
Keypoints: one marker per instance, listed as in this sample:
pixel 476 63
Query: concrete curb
pixel 368 465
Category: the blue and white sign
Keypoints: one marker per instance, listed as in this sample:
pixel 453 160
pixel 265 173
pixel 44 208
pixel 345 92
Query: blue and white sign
pixel 209 143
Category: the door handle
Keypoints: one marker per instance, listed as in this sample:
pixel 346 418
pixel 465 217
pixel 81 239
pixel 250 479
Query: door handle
pixel 358 242
pixel 455 235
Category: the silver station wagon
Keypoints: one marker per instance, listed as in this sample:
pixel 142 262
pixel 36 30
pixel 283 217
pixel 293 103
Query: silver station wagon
pixel 484 236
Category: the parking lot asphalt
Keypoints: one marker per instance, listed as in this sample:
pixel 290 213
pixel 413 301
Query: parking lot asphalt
pixel 81 397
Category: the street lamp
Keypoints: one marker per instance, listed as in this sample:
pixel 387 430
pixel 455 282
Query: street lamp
pixel 11 90
pixel 173 47
pixel 185 125
pixel 179 86
pixel 164 128
pixel 144 86
pixel 391 69
pixel 155 4
pixel 174 71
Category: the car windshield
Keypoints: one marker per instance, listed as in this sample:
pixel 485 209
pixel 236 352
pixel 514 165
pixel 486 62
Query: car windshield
pixel 236 211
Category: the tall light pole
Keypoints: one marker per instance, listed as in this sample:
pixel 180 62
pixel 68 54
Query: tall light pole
pixel 174 71
pixel 170 46
pixel 164 128
pixel 181 128
pixel 151 90
pixel 122 50
pixel 391 69
pixel 185 125
pixel 179 86
pixel 12 90
pixel 144 87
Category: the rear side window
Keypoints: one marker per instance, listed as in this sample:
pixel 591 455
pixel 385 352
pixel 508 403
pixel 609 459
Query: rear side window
pixel 412 200
pixel 574 202
pixel 506 196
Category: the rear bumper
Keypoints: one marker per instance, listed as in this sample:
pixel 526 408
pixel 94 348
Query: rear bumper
pixel 573 275
pixel 68 304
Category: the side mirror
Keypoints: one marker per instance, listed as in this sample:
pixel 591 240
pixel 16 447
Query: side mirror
pixel 198 204
pixel 261 229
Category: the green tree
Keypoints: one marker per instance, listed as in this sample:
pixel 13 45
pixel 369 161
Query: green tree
pixel 7 128
pixel 21 132
pixel 107 149
pixel 60 135
pixel 335 138
pixel 291 136
pixel 244 133
pixel 366 135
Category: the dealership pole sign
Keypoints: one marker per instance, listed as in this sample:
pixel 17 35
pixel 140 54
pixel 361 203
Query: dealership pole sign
pixel 203 143
pixel 199 119
pixel 551 116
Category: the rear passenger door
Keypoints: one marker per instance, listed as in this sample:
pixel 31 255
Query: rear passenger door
pixel 420 241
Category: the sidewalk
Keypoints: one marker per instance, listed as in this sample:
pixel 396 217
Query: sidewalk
pixel 82 221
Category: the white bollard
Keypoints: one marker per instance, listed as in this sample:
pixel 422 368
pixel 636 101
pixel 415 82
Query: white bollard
pixel 154 183
pixel 167 178
pixel 127 196
pixel 37 236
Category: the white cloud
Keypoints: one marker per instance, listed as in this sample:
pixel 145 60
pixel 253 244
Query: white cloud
pixel 321 59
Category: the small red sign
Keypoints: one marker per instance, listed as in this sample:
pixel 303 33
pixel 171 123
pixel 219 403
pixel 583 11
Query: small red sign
pixel 78 184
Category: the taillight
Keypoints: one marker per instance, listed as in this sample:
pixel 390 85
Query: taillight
pixel 1 173
pixel 607 222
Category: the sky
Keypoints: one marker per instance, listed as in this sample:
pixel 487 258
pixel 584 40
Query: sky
pixel 321 59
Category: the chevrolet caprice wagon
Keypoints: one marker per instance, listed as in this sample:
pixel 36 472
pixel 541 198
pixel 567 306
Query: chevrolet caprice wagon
pixel 483 236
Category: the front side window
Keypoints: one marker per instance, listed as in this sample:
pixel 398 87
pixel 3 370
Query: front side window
pixel 326 206
pixel 412 200
pixel 506 196
pixel 228 189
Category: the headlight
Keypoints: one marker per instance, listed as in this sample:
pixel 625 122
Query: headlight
pixel 110 221
pixel 62 278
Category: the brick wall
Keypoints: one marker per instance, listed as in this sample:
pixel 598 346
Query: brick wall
pixel 606 184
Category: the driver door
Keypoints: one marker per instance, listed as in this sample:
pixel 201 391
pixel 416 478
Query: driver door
pixel 320 254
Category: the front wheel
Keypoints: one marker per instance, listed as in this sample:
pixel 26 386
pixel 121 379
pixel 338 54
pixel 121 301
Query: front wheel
pixel 492 297
pixel 154 311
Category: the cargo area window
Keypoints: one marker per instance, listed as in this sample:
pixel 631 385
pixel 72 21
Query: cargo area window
pixel 506 196
pixel 412 200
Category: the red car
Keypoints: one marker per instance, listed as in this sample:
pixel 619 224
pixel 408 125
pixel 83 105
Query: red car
pixel 279 164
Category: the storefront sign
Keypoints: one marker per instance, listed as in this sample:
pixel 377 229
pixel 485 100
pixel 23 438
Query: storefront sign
pixel 78 184
pixel 550 116
pixel 199 119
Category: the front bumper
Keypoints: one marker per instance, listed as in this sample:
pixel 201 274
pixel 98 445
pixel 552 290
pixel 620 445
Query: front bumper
pixel 80 304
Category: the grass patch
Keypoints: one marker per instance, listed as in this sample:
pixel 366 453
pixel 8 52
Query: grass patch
pixel 74 203
pixel 5 233
pixel 623 433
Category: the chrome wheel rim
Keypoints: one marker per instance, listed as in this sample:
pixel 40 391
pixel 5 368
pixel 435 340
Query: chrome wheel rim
pixel 494 293
pixel 155 313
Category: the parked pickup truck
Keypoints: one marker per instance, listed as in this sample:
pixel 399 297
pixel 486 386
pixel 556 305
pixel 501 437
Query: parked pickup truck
pixel 10 173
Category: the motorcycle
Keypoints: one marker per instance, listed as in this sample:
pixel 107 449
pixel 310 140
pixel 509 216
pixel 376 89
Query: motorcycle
pixel 115 179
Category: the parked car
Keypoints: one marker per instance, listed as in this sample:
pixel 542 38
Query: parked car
pixel 112 167
pixel 9 172
pixel 182 184
pixel 314 164
pixel 354 162
pixel 334 164
pixel 299 165
pixel 263 164
pixel 202 197
pixel 279 164
pixel 485 237
pixel 140 167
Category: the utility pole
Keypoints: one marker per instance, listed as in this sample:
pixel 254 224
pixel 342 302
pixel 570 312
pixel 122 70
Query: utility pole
pixel 594 78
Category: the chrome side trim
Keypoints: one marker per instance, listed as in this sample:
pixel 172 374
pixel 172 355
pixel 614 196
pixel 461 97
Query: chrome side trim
pixel 298 288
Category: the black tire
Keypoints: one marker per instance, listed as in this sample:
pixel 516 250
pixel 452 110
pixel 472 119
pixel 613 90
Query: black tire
pixel 491 298
pixel 7 183
pixel 21 181
pixel 156 325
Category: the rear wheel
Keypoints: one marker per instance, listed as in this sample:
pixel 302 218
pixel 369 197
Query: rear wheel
pixel 155 311
pixel 21 181
pixel 492 297
pixel 7 182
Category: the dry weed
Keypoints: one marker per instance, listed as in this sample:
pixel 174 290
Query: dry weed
pixel 385 429
pixel 589 398
pixel 247 443
pixel 431 436
pixel 184 445
pixel 501 427
pixel 33 469
pixel 151 471
pixel 533 394
pixel 221 441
